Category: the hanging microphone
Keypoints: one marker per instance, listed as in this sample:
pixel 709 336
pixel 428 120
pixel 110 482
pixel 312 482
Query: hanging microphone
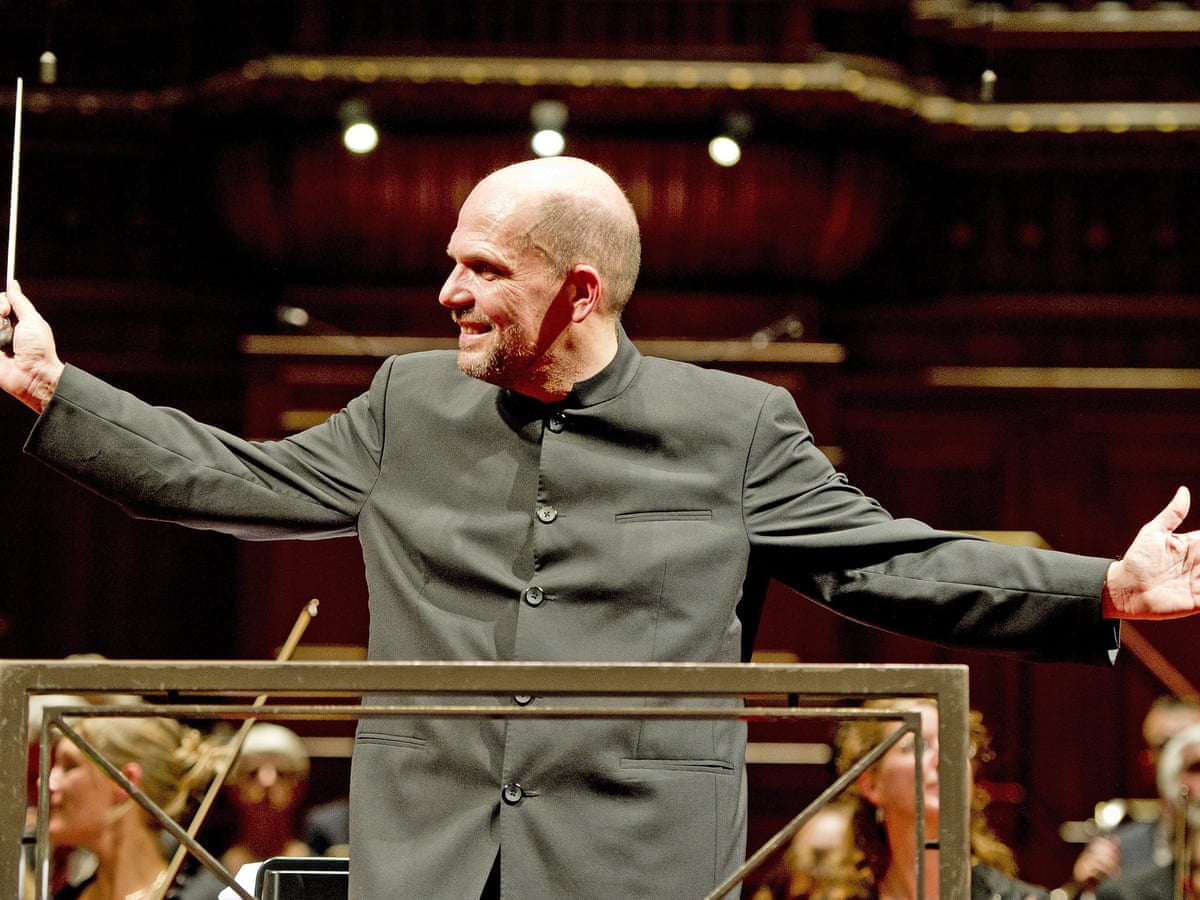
pixel 48 67
pixel 987 86
pixel 296 316
pixel 302 320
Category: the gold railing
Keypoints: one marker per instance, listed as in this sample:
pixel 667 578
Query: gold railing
pixel 754 691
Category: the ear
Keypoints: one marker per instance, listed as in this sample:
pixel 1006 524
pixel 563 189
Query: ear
pixel 868 785
pixel 584 289
pixel 119 797
pixel 133 771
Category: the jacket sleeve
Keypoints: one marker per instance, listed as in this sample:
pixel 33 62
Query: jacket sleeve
pixel 821 536
pixel 158 463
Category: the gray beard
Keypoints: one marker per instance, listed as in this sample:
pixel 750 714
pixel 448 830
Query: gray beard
pixel 497 365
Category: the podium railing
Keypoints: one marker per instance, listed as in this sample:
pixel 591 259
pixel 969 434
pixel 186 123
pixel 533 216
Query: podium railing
pixel 754 691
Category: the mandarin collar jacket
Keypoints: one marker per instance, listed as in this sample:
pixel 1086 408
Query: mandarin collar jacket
pixel 639 520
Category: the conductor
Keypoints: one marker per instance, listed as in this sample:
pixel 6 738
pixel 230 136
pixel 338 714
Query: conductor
pixel 548 493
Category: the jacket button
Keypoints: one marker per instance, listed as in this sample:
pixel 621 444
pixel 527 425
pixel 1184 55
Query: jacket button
pixel 546 514
pixel 533 595
pixel 557 423
pixel 513 794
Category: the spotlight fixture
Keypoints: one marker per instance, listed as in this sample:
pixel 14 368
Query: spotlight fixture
pixel 549 118
pixel 359 133
pixel 48 67
pixel 726 148
pixel 987 86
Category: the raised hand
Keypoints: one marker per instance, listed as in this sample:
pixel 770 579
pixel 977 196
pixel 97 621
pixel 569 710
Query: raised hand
pixel 1159 575
pixel 29 367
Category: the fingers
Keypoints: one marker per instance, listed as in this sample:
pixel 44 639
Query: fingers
pixel 7 321
pixel 18 303
pixel 9 316
pixel 11 298
pixel 15 307
pixel 1101 859
pixel 1175 511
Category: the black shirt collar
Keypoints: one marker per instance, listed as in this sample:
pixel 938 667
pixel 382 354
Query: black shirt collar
pixel 606 384
pixel 610 381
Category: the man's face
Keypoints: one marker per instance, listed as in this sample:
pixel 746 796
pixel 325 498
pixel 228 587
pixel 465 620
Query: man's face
pixel 1159 726
pixel 502 293
pixel 269 779
pixel 1189 772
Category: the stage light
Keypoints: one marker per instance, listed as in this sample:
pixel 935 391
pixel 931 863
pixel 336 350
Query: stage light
pixel 359 133
pixel 726 148
pixel 548 142
pixel 549 118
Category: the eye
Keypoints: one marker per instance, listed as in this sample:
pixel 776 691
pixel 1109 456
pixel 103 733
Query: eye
pixel 484 268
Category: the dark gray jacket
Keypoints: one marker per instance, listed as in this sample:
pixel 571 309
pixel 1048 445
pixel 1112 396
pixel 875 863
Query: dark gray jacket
pixel 640 520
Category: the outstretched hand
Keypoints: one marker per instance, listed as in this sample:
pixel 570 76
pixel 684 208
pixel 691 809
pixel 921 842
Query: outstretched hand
pixel 1159 576
pixel 29 367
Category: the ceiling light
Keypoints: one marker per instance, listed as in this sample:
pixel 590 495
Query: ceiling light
pixel 359 133
pixel 549 118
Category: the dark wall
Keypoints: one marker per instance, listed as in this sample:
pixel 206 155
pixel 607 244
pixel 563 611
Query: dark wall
pixel 173 197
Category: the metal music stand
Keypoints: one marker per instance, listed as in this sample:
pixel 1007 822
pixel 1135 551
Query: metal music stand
pixel 743 685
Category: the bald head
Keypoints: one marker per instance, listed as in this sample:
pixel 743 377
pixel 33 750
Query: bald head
pixel 557 173
pixel 574 213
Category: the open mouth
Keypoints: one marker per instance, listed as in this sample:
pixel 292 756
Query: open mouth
pixel 469 330
pixel 468 326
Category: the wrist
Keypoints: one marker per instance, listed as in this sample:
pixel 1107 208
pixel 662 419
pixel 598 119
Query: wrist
pixel 1110 597
pixel 43 384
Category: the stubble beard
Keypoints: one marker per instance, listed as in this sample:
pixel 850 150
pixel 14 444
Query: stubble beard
pixel 499 362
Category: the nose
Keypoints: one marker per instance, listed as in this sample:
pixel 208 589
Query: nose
pixel 454 293
pixel 54 779
pixel 267 775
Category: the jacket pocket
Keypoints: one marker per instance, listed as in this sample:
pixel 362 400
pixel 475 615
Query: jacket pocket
pixel 665 515
pixel 710 766
pixel 382 739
